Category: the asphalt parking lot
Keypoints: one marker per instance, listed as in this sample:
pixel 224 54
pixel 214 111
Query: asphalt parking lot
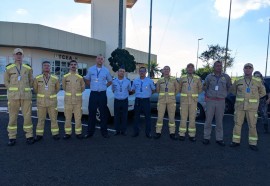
pixel 123 160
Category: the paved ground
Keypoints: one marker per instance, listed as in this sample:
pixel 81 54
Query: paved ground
pixel 128 161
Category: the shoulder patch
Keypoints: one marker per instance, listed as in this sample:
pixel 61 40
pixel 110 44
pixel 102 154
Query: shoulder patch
pixel 198 77
pixel 256 79
pixel 79 76
pixel 66 75
pixel 26 66
pixel 183 76
pixel 53 76
pixel 9 66
pixel 39 76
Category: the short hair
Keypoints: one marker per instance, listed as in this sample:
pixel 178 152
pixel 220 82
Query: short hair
pixel 217 62
pixel 73 61
pixel 143 68
pixel 100 55
pixel 46 62
pixel 122 67
pixel 167 67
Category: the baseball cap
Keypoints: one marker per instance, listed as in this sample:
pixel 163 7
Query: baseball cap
pixel 17 50
pixel 248 65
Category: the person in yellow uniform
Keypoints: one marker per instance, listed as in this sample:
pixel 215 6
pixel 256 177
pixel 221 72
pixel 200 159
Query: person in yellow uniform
pixel 167 87
pixel 73 85
pixel 46 86
pixel 190 86
pixel 18 80
pixel 248 90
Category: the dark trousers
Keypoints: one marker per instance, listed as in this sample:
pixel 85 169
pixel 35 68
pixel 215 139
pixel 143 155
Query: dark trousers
pixel 97 100
pixel 120 115
pixel 142 105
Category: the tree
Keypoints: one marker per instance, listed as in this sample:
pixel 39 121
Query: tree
pixel 154 69
pixel 122 58
pixel 214 53
pixel 201 72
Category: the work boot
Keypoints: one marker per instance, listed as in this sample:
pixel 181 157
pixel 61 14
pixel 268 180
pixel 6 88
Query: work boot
pixel 124 133
pixel 67 136
pixel 117 133
pixel 56 137
pixel 38 138
pixel 86 136
pixel 30 141
pixel 172 136
pixel 253 147
pixel 193 139
pixel 157 136
pixel 79 136
pixel 220 143
pixel 149 136
pixel 136 134
pixel 11 142
pixel 234 144
pixel 182 138
pixel 266 128
pixel 206 141
pixel 106 136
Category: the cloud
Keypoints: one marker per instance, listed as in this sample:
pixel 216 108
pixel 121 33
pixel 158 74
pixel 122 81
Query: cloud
pixel 21 11
pixel 239 7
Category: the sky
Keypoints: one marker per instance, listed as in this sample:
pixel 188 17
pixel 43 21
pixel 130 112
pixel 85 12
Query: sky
pixel 177 26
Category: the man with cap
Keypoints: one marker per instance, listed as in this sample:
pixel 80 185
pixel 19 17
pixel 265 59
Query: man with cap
pixel 73 85
pixel 248 91
pixel 121 87
pixel 216 87
pixel 99 78
pixel 167 87
pixel 143 88
pixel 46 86
pixel 18 80
pixel 190 86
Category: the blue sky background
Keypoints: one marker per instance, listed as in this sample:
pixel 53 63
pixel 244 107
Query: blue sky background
pixel 177 24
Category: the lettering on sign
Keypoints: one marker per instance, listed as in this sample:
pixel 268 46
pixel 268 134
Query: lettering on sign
pixel 65 57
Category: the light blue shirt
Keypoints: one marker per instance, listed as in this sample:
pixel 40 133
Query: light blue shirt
pixel 143 87
pixel 98 79
pixel 121 88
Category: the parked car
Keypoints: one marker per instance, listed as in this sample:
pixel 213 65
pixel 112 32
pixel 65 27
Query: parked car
pixel 200 106
pixel 85 100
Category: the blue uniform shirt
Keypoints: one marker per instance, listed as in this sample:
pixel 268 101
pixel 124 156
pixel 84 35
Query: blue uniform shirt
pixel 143 87
pixel 121 88
pixel 98 79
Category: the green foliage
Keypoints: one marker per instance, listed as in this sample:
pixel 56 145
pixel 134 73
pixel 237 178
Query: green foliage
pixel 122 58
pixel 214 53
pixel 154 69
pixel 202 72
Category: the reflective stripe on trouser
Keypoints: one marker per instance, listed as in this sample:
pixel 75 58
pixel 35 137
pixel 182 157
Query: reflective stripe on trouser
pixel 171 112
pixel 214 108
pixel 13 108
pixel 188 111
pixel 239 117
pixel 42 113
pixel 77 110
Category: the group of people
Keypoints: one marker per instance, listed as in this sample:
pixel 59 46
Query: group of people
pixel 249 91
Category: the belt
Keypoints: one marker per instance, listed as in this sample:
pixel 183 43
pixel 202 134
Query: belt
pixel 120 99
pixel 215 99
pixel 98 91
pixel 142 98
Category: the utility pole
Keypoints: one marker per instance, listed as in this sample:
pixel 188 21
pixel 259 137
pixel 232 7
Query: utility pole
pixel 267 50
pixel 150 37
pixel 120 24
pixel 228 33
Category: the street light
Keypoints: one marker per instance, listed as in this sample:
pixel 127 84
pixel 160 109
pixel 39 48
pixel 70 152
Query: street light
pixel 228 33
pixel 198 51
pixel 150 37
pixel 267 50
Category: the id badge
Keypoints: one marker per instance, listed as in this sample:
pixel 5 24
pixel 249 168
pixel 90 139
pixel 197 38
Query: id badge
pixel 46 87
pixel 19 78
pixel 97 80
pixel 248 90
pixel 121 89
pixel 189 88
pixel 166 89
pixel 140 89
pixel 216 87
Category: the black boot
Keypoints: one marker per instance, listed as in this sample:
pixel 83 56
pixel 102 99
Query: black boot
pixel 157 136
pixel 266 128
pixel 38 138
pixel 30 141
pixel 11 142
pixel 67 136
pixel 56 137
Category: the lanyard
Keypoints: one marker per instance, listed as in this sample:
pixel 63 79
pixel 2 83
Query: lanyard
pixel 166 83
pixel 217 78
pixel 141 86
pixel 46 82
pixel 98 72
pixel 120 84
pixel 247 83
pixel 189 82
pixel 19 71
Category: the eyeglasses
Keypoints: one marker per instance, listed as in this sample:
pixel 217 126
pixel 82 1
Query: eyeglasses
pixel 142 70
pixel 73 64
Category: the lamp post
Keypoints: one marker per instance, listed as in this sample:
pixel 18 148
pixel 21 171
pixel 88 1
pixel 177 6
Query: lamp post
pixel 120 25
pixel 267 50
pixel 150 37
pixel 228 33
pixel 198 52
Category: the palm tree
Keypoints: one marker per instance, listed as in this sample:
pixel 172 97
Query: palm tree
pixel 154 69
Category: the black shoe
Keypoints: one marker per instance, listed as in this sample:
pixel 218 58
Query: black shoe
pixel 88 136
pixel 206 141
pixel 117 133
pixel 253 147
pixel 157 136
pixel 149 136
pixel 79 136
pixel 11 142
pixel 135 135
pixel 193 139
pixel 105 135
pixel 234 144
pixel 265 126
pixel 67 136
pixel 124 133
pixel 182 138
pixel 38 138
pixel 56 137
pixel 30 141
pixel 221 143
pixel 172 136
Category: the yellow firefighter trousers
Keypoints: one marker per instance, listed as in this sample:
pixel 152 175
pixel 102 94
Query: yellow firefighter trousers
pixel 171 112
pixel 77 110
pixel 42 113
pixel 13 108
pixel 239 117
pixel 188 111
